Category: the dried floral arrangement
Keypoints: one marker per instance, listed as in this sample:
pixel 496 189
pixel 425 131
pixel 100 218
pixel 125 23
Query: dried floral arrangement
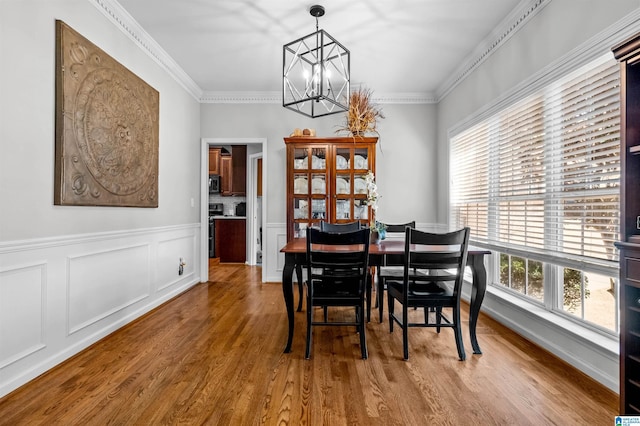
pixel 363 114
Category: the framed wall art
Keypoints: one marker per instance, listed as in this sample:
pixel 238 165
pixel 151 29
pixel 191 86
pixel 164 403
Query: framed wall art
pixel 106 151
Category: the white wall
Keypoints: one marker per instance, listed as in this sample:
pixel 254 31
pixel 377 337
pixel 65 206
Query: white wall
pixel 563 35
pixel 27 124
pixel 71 275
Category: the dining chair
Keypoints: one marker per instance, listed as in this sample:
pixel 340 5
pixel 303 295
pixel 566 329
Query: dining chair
pixel 338 275
pixel 391 267
pixel 347 227
pixel 443 258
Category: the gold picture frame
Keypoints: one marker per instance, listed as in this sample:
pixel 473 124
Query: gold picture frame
pixel 106 151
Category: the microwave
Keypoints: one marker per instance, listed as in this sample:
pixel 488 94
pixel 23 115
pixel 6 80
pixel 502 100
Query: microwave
pixel 214 184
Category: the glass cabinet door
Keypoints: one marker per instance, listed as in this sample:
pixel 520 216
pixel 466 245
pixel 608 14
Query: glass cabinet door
pixel 349 187
pixel 310 188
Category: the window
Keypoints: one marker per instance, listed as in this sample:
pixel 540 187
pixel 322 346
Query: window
pixel 538 183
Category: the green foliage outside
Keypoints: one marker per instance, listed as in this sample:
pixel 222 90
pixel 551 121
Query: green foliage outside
pixel 535 288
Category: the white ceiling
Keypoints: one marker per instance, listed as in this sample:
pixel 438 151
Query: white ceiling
pixel 397 46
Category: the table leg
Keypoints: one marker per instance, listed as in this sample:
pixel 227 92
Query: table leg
pixel 477 295
pixel 287 290
pixel 300 291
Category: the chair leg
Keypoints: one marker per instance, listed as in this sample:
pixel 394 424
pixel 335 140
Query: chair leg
pixel 391 311
pixel 405 332
pixel 307 353
pixel 369 301
pixel 438 318
pixel 458 334
pixel 363 338
pixel 380 297
pixel 325 312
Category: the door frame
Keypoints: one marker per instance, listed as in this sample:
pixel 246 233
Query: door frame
pixel 252 196
pixel 204 197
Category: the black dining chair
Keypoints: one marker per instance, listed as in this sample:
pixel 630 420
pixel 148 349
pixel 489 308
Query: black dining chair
pixel 337 278
pixel 443 258
pixel 391 267
pixel 347 227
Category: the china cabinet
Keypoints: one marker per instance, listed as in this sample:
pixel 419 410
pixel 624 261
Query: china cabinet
pixel 326 181
pixel 628 54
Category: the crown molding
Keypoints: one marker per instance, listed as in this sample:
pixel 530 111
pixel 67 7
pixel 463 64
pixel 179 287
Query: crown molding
pixel 509 26
pixel 215 97
pixel 276 98
pixel 123 20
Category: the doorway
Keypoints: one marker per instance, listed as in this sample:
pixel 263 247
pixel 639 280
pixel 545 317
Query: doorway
pixel 256 148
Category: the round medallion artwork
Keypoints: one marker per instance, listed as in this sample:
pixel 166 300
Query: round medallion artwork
pixel 114 132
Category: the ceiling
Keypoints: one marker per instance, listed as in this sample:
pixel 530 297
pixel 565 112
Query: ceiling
pixel 397 46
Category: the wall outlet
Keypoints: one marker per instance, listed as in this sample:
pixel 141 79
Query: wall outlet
pixel 181 266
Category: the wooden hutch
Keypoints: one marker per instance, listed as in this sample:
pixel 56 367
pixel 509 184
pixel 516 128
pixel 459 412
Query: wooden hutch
pixel 628 54
pixel 326 181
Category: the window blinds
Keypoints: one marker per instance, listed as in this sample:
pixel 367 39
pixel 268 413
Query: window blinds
pixel 541 178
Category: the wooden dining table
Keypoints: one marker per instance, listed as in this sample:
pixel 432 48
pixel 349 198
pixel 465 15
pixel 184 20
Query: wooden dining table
pixel 295 258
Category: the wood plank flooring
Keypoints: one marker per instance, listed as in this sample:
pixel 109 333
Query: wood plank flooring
pixel 214 356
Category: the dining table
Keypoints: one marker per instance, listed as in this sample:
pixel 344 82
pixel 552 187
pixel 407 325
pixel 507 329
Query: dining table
pixel 295 258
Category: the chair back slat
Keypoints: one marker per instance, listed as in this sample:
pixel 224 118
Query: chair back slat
pixel 339 227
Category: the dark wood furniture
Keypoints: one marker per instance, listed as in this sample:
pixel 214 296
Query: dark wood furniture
pixel 225 175
pixel 338 275
pixel 233 171
pixel 628 54
pixel 325 181
pixel 442 258
pixel 214 161
pixel 231 240
pixel 295 258
pixel 392 265
pixel 239 170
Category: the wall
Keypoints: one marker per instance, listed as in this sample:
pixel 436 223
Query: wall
pixel 71 275
pixel 407 139
pixel 562 36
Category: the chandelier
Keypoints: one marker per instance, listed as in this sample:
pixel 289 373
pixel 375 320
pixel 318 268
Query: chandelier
pixel 315 75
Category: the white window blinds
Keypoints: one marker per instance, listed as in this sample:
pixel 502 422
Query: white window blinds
pixel 541 178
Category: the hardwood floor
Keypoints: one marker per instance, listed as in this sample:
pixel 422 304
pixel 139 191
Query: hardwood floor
pixel 213 355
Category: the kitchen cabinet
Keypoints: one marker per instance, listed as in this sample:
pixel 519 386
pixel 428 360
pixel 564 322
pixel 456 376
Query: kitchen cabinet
pixel 239 170
pixel 233 171
pixel 231 239
pixel 225 175
pixel 628 54
pixel 326 181
pixel 214 161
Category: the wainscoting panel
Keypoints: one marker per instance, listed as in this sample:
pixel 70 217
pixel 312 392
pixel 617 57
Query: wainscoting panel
pixel 106 282
pixel 60 295
pixel 22 300
pixel 276 239
pixel 168 263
